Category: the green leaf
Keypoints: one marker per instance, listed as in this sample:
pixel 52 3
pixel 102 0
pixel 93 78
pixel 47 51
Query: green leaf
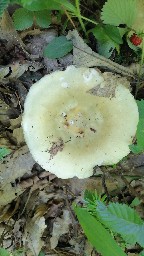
pixel 4 152
pixel 67 5
pixel 122 219
pixel 108 37
pixel 135 202
pixel 142 253
pixel 41 253
pixel 4 252
pixel 38 5
pixel 93 196
pixel 116 12
pixel 139 147
pixel 98 236
pixel 3 6
pixel 16 2
pixel 22 18
pixel 106 48
pixel 58 47
pixel 43 18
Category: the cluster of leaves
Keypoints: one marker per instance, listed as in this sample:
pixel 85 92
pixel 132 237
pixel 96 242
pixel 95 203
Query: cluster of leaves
pixel 99 220
pixel 109 33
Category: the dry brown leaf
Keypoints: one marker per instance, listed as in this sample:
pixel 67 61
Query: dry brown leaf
pixel 33 233
pixel 18 136
pixel 9 33
pixel 60 227
pixel 14 166
pixel 84 56
pixel 17 69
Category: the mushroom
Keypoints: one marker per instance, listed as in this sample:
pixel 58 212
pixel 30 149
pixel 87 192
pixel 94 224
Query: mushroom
pixel 78 118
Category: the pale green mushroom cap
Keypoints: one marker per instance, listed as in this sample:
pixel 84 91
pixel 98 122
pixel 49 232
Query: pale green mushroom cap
pixel 69 130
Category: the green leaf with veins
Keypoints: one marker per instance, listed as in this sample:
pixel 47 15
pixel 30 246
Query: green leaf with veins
pixel 108 37
pixel 116 12
pixel 139 147
pixel 66 5
pixel 58 47
pixel 97 235
pixel 123 220
pixel 43 18
pixel 38 5
pixel 23 19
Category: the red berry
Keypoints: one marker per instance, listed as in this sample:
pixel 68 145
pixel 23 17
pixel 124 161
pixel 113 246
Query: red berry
pixel 135 39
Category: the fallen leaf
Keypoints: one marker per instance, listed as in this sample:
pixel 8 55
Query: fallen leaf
pixel 60 227
pixel 33 233
pixel 84 56
pixel 13 167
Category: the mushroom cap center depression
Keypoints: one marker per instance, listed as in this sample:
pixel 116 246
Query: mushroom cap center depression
pixel 76 119
pixel 79 122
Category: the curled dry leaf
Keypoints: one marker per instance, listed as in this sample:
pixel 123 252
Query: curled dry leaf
pixel 33 232
pixel 60 227
pixel 15 166
pixel 18 69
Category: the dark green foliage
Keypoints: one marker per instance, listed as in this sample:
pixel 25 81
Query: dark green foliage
pixel 58 47
pixel 3 6
pixel 108 37
pixel 98 236
pixel 123 220
pixel 23 18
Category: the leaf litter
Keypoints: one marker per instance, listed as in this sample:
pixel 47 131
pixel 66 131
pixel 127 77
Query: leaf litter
pixel 36 206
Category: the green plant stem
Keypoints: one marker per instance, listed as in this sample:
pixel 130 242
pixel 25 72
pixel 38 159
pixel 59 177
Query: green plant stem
pixel 84 18
pixel 77 3
pixel 69 18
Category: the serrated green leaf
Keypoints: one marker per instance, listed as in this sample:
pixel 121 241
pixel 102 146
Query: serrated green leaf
pixel 58 47
pixel 116 12
pixel 4 152
pixel 3 6
pixel 139 147
pixel 107 33
pixel 23 19
pixel 43 18
pixel 4 252
pixel 38 5
pixel 122 219
pixel 98 236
